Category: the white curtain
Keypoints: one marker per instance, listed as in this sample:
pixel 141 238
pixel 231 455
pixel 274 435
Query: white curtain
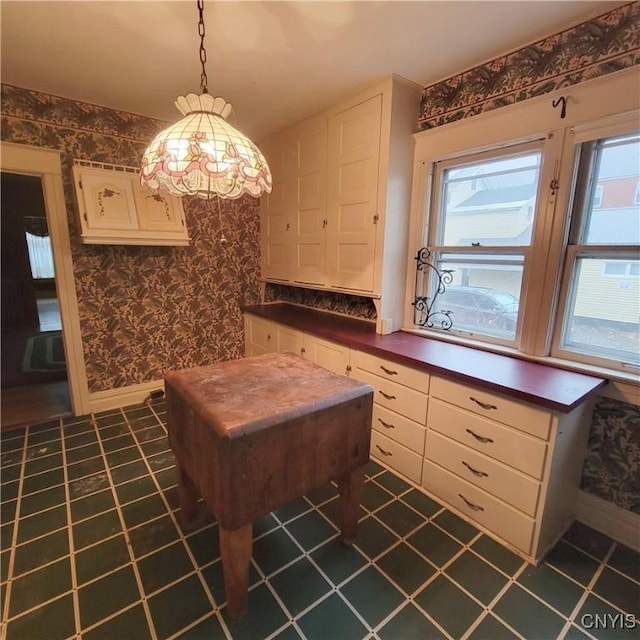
pixel 40 256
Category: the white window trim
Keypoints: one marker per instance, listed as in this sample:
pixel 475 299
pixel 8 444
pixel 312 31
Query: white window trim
pixel 522 122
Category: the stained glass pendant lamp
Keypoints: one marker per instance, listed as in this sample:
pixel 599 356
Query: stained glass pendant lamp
pixel 203 155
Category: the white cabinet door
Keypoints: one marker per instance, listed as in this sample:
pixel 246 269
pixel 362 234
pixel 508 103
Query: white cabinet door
pixel 352 196
pixel 106 200
pixel 327 354
pixel 158 211
pixel 289 340
pixel 259 336
pixel 277 209
pixel 115 209
pixel 310 215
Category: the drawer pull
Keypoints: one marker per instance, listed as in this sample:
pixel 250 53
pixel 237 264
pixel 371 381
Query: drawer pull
pixel 389 372
pixel 480 474
pixel 382 451
pixel 482 439
pixel 484 405
pixel 475 507
pixel 386 395
pixel 386 425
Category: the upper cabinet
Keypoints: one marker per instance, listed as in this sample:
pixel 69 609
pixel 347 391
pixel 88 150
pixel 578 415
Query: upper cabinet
pixel 116 209
pixel 338 215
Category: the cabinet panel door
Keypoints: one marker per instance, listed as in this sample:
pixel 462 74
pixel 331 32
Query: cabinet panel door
pixel 289 340
pixel 260 336
pixel 107 199
pixel 329 355
pixel 353 160
pixel 309 231
pixel 277 209
pixel 158 211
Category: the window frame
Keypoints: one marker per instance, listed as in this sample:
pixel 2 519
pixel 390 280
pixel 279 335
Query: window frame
pixel 530 120
pixel 575 249
pixel 435 227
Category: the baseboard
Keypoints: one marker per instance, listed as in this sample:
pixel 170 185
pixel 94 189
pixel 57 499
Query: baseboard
pixel 618 523
pixel 123 397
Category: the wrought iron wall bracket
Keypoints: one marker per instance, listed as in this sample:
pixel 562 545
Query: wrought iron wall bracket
pixel 426 313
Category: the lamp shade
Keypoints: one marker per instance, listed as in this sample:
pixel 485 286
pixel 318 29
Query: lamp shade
pixel 203 155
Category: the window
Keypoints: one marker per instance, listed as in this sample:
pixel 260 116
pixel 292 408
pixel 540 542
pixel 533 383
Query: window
pixel 526 229
pixel 485 211
pixel 602 305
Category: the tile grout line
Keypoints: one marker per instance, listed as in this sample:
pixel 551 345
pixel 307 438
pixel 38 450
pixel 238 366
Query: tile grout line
pixel 588 590
pixel 72 557
pixel 125 531
pixel 176 524
pixel 14 539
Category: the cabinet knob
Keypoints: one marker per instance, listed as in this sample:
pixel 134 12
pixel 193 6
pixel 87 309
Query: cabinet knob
pixel 268 336
pixel 288 226
pixel 325 223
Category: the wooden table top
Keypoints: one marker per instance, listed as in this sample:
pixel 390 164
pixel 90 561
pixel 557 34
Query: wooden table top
pixel 239 397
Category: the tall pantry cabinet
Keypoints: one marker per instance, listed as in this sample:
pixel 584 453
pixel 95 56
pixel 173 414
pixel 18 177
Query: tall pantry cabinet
pixel 338 216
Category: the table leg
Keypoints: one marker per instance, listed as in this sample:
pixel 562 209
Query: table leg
pixel 351 487
pixel 235 549
pixel 187 493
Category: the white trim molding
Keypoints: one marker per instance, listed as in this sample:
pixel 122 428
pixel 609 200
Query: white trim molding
pixel 124 396
pixel 614 521
pixel 46 164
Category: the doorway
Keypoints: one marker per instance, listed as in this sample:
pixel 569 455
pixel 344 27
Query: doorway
pixel 33 365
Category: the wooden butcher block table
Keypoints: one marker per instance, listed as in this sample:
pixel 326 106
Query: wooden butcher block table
pixel 251 435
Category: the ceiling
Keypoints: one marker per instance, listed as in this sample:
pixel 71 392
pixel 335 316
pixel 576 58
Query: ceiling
pixel 276 62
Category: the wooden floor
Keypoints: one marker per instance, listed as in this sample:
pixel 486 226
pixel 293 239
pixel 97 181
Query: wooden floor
pixel 33 404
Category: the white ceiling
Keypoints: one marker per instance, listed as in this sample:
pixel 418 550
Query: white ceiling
pixel 276 62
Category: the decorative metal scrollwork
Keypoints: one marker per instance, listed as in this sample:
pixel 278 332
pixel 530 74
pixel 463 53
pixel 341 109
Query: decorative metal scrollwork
pixel 426 314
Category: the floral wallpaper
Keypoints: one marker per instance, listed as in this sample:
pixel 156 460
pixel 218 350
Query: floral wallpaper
pixel 347 304
pixel 612 467
pixel 144 310
pixel 605 44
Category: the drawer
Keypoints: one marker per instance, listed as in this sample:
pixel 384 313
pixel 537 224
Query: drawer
pixel 501 481
pixel 398 428
pixel 498 517
pixel 408 376
pixel 394 396
pixel 521 415
pixel 502 443
pixel 396 456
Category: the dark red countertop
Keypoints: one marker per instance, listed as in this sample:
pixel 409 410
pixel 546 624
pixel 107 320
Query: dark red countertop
pixel 533 382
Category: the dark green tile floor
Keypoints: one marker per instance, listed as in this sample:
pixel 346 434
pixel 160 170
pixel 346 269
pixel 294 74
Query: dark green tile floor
pixel 92 547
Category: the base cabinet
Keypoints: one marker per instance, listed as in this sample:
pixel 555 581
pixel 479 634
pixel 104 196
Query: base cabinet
pixel 265 336
pixel 510 468
pixel 399 412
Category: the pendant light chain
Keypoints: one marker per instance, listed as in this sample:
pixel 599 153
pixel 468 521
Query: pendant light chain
pixel 203 51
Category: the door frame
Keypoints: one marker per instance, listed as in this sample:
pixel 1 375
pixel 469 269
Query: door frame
pixel 46 163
